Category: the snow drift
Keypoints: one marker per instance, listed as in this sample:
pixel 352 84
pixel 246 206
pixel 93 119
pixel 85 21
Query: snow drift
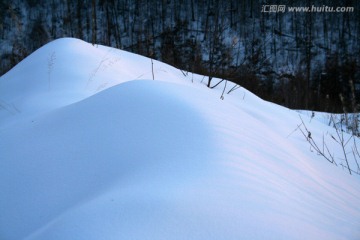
pixel 88 153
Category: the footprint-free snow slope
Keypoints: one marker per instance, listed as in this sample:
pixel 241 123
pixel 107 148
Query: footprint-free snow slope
pixel 87 152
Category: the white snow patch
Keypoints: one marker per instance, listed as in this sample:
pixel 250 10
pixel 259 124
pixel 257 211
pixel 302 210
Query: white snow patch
pixel 87 153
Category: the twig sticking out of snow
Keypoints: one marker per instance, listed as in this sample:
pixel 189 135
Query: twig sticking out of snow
pixel 307 134
pixel 325 152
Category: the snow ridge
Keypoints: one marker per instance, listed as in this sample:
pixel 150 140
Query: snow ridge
pixel 90 149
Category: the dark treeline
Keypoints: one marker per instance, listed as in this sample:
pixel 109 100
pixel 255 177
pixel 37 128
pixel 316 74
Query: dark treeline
pixel 300 60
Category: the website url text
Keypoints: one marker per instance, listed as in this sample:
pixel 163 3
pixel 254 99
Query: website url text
pixel 312 9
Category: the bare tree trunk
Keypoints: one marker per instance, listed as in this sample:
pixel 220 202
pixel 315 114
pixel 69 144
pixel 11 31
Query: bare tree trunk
pixel 94 26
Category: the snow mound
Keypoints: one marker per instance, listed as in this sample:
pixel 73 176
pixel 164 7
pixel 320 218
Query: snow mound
pixel 112 158
pixel 135 133
pixel 68 70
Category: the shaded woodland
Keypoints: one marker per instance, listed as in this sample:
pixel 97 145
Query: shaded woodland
pixel 300 60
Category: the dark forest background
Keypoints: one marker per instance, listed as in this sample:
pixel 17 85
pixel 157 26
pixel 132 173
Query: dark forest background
pixel 300 60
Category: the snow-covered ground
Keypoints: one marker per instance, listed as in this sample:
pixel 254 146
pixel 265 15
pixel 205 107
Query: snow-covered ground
pixel 88 153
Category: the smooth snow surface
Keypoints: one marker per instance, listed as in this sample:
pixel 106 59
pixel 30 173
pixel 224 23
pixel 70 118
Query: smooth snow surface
pixel 88 153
